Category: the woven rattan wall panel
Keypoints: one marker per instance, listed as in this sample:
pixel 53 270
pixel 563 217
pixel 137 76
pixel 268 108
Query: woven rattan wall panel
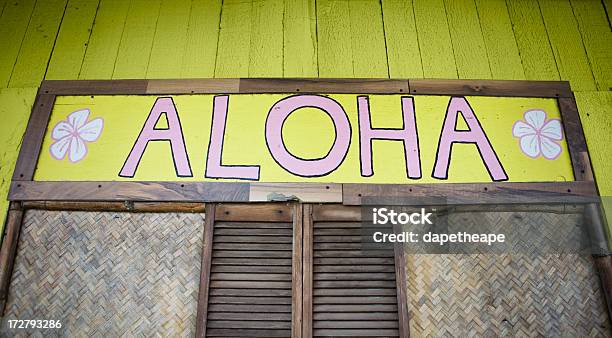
pixel 354 290
pixel 530 292
pixel 108 274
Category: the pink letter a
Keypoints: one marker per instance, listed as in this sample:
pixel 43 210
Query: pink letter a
pixel 173 134
pixel 475 135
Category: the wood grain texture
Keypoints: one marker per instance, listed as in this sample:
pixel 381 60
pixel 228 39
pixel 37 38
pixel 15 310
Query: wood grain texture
pixel 154 207
pixel 492 88
pixel 37 44
pixel 566 43
pixel 336 212
pixel 296 272
pixel 202 309
pixel 334 39
pixel 266 42
pixel 475 193
pixel 93 87
pixel 504 58
pixel 8 251
pixel 170 40
pixel 401 286
pixel 306 193
pixel 72 40
pixel 323 85
pixel 234 39
pixel 300 39
pixel 307 242
pixel 468 43
pixel 15 107
pixel 32 140
pixel 368 49
pixel 403 51
pixel 596 36
pixel 13 25
pixel 202 38
pixel 195 86
pixel 137 40
pixel 129 191
pixel 597 127
pixel 532 40
pixel 574 135
pixel 277 212
pixel 101 54
pixel 434 39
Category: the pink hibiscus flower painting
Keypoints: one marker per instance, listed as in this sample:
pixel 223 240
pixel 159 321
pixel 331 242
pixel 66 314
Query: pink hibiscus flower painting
pixel 539 136
pixel 72 135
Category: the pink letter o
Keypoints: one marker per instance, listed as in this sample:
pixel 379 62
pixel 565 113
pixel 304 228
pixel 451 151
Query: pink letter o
pixel 308 167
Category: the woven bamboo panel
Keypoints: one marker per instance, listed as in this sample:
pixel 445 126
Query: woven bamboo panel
pixel 108 274
pixel 527 293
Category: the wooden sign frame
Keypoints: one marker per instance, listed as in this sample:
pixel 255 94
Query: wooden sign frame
pixel 24 188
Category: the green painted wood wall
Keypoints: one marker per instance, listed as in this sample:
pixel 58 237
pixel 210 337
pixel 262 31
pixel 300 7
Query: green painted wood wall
pixel 465 39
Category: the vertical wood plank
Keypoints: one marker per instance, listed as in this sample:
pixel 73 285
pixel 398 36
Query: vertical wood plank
pixel 202 310
pixel 202 38
pixel 307 271
pixel 468 43
pixel 15 107
pixel 234 39
pixel 72 40
pixel 351 39
pixel 608 6
pixel 334 43
pixel 266 43
pixel 597 127
pixel 300 39
pixel 13 24
pixel 170 40
pixel 37 44
pixel 33 138
pixel 9 250
pixel 434 39
pixel 504 58
pixel 2 6
pixel 567 46
pixel 404 56
pixel 401 285
pixel 296 272
pixel 137 40
pixel 532 40
pixel 368 39
pixel 101 54
pixel 597 38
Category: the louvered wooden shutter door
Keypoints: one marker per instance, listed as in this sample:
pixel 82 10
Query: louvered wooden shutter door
pixel 354 291
pixel 281 270
pixel 250 280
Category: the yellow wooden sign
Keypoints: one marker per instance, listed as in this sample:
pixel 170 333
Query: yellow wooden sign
pixel 339 138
